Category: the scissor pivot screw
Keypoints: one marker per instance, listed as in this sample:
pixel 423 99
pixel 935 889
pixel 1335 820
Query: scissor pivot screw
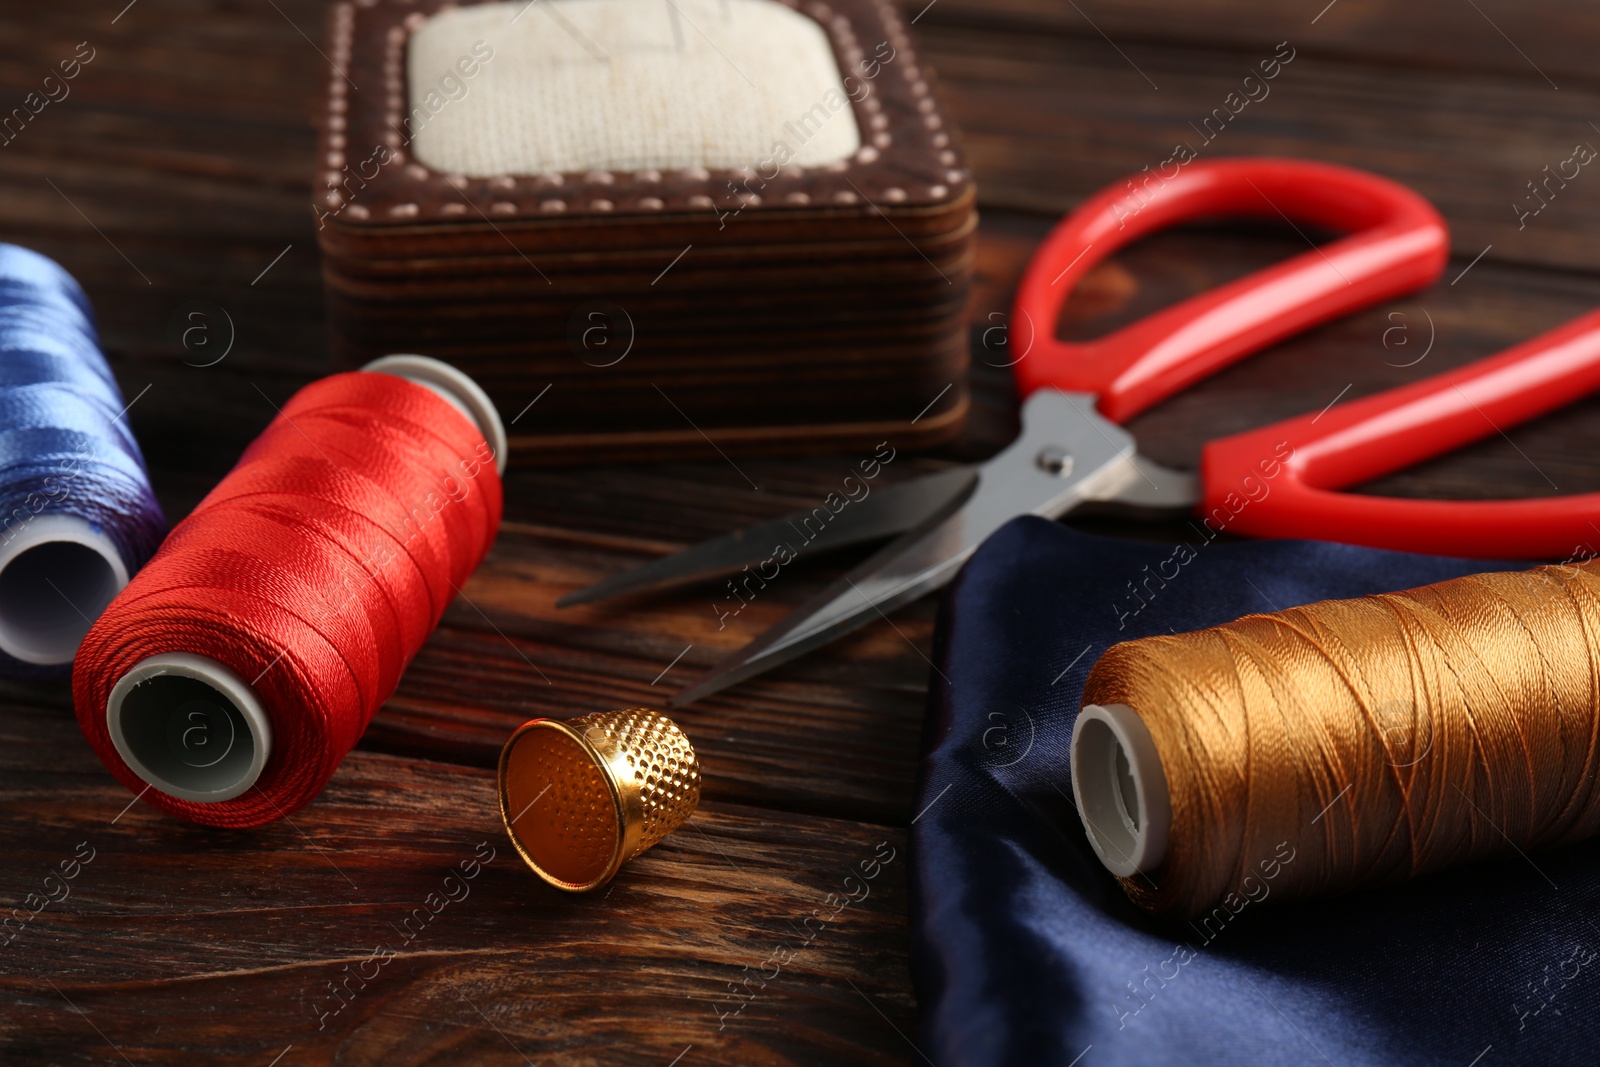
pixel 1055 459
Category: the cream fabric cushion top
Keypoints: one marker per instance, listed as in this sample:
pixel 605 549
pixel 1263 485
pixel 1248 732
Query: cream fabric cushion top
pixel 583 85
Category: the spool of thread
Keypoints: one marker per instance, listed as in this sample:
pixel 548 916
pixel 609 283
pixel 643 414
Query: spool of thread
pixel 1346 742
pixel 77 515
pixel 236 670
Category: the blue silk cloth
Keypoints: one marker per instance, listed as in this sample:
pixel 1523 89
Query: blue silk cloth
pixel 1026 951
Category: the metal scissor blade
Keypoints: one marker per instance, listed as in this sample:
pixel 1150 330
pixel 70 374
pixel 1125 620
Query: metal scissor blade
pixel 1066 454
pixel 881 513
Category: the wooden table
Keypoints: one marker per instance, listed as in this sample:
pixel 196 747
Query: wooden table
pixel 178 170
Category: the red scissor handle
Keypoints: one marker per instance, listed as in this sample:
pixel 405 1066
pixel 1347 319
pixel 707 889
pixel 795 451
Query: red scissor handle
pixel 1250 487
pixel 1398 243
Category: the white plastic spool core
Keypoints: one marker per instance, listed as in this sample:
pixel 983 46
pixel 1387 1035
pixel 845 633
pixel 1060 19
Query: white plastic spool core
pixel 196 730
pixel 464 394
pixel 190 727
pixel 57 574
pixel 1121 789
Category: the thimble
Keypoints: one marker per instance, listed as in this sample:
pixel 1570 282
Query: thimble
pixel 582 797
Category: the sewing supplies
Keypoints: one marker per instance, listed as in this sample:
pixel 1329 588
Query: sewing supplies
pixel 707 224
pixel 1368 740
pixel 77 515
pixel 581 797
pixel 1276 481
pixel 232 675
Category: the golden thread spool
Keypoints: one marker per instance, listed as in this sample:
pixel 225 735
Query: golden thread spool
pixel 582 797
pixel 1366 740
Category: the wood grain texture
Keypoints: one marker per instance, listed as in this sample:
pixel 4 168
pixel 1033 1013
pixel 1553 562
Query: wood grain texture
pixel 181 168
pixel 176 943
pixel 1489 37
pixel 1051 118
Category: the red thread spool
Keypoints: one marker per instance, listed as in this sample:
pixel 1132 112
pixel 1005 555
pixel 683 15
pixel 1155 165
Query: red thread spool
pixel 234 672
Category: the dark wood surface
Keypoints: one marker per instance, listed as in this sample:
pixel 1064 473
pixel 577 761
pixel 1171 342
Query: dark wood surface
pixel 179 167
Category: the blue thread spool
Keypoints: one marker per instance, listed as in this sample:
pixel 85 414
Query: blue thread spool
pixel 77 514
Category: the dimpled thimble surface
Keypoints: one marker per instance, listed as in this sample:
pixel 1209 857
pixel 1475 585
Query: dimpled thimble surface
pixel 582 797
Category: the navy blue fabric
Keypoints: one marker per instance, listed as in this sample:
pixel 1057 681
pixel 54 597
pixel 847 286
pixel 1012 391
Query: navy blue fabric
pixel 1026 951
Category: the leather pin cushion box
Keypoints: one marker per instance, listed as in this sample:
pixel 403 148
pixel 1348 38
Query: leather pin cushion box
pixel 679 225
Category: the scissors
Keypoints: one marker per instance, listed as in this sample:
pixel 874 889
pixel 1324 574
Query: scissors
pixel 1277 481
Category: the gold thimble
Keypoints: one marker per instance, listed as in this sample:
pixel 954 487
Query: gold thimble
pixel 582 797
